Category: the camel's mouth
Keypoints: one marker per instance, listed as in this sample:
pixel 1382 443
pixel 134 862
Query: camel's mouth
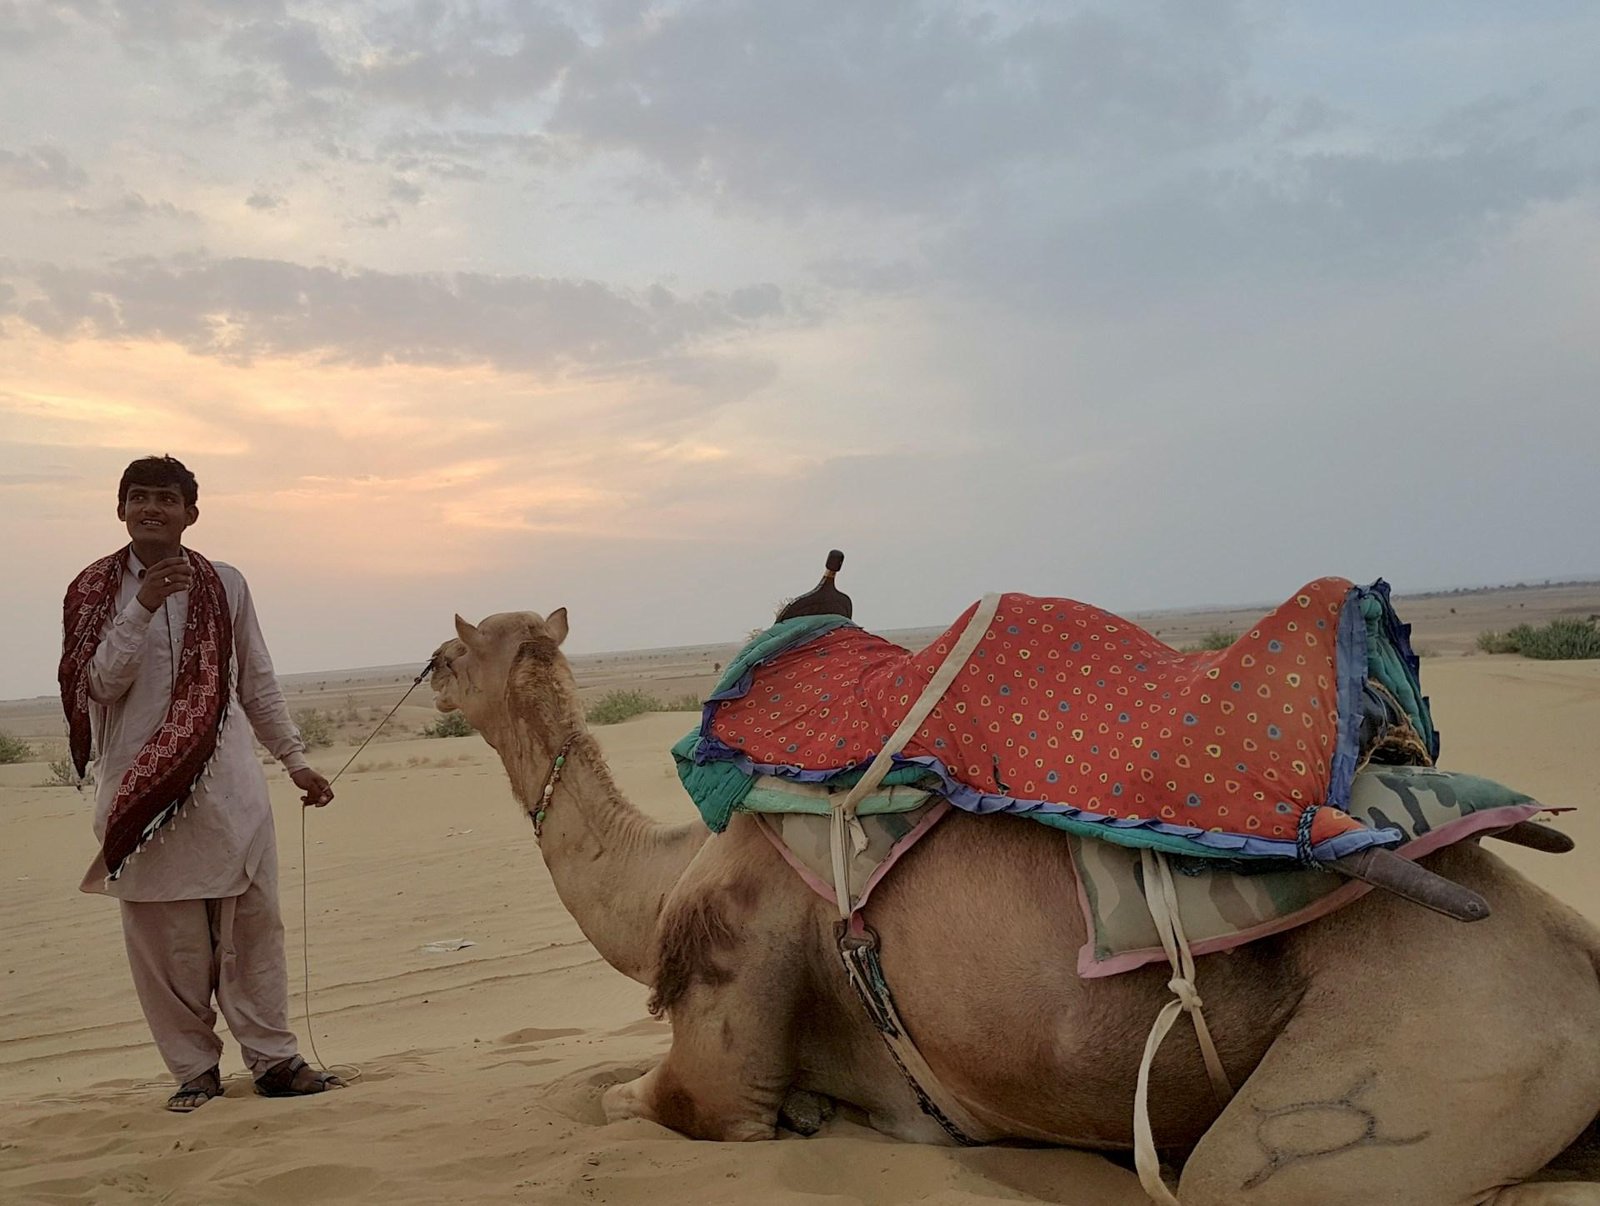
pixel 443 678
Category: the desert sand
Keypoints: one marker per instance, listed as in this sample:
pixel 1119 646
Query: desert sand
pixel 477 1071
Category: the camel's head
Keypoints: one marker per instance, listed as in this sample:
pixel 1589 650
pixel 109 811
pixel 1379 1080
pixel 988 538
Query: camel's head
pixel 471 672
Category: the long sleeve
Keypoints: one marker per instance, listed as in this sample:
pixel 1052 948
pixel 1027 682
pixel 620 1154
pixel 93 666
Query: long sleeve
pixel 116 662
pixel 259 692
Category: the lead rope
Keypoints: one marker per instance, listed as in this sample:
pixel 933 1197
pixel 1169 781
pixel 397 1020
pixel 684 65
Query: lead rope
pixel 305 909
pixel 1161 896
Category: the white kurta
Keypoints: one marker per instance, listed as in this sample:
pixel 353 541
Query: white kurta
pixel 223 838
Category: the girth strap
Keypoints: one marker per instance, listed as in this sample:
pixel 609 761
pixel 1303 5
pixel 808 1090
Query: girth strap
pixel 858 948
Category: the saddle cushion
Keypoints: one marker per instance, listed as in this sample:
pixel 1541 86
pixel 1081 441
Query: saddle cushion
pixel 1223 908
pixel 1070 713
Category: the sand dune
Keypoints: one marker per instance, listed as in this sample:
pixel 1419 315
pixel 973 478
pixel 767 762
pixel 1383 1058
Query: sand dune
pixel 480 1069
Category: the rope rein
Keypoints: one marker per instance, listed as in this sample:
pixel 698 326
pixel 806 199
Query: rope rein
pixel 305 909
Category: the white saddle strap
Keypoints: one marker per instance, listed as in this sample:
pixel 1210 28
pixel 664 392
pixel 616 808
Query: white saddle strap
pixel 845 827
pixel 1161 895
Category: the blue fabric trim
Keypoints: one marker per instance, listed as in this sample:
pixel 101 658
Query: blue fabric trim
pixel 1399 635
pixel 1202 843
pixel 1350 660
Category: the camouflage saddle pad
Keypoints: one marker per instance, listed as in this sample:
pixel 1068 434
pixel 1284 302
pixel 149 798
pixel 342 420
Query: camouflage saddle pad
pixel 1222 904
pixel 1226 905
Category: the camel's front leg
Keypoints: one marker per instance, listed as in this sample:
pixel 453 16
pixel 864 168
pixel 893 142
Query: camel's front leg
pixel 731 968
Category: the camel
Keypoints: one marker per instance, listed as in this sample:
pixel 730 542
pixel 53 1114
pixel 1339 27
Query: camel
pixel 1384 1054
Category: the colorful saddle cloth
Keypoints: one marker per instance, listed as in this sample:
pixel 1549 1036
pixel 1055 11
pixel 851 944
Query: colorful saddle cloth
pixel 1085 721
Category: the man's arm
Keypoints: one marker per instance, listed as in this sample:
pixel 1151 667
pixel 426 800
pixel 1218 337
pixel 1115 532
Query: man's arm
pixel 264 704
pixel 116 662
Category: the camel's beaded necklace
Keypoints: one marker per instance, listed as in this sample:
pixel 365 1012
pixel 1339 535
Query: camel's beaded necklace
pixel 550 788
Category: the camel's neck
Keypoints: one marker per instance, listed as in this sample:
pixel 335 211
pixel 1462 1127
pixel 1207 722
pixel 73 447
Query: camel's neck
pixel 612 866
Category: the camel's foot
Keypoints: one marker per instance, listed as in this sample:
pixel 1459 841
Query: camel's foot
pixel 804 1112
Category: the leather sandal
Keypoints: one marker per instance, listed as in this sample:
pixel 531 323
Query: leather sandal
pixel 285 1080
pixel 192 1094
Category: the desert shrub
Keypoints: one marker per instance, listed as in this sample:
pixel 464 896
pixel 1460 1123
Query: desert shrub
pixel 616 706
pixel 62 774
pixel 13 749
pixel 1562 640
pixel 451 724
pixel 1559 640
pixel 316 727
pixel 1212 641
pixel 1497 642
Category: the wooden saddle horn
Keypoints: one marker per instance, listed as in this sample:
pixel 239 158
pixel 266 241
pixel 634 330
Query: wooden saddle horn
pixel 825 599
pixel 1386 869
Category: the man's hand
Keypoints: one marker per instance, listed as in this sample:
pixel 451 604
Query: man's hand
pixel 166 577
pixel 317 789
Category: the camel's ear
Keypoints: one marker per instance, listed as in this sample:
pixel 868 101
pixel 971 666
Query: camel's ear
pixel 470 636
pixel 556 625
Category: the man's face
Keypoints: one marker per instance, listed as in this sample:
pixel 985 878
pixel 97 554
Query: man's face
pixel 156 514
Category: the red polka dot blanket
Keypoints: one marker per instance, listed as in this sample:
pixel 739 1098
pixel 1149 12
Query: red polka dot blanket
pixel 1086 721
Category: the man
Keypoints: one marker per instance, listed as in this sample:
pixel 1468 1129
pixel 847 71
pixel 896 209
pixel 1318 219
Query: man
pixel 164 669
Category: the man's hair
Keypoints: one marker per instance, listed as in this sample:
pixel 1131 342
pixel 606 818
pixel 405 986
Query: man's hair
pixel 159 471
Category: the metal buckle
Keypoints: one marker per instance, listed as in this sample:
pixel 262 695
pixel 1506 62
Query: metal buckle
pixel 851 942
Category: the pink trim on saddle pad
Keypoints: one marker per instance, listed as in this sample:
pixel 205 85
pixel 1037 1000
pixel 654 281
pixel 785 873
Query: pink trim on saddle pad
pixel 1487 821
pixel 936 813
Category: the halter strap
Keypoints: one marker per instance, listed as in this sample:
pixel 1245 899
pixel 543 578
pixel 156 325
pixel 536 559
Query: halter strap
pixel 550 782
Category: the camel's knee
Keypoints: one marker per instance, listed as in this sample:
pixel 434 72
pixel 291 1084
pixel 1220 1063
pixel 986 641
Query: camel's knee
pixel 625 1100
pixel 662 1097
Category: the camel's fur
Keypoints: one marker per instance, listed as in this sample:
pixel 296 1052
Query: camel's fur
pixel 1383 1054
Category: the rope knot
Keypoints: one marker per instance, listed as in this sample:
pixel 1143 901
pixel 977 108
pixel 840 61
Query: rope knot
pixel 1184 990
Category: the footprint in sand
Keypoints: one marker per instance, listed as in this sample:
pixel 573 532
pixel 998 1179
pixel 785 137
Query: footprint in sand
pixel 317 1183
pixel 642 1026
pixel 532 1036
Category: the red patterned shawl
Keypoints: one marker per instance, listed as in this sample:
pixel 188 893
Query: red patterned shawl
pixel 163 774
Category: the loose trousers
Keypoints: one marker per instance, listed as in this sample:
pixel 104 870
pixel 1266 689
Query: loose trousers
pixel 185 952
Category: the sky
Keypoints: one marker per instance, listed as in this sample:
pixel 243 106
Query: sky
pixel 639 308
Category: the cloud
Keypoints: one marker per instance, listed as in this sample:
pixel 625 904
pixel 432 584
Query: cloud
pixel 132 207
pixel 164 23
pixel 242 308
pixel 42 167
pixel 445 56
pixel 901 103
pixel 293 47
pixel 264 201
pixel 405 191
pixel 461 154
pixel 1334 217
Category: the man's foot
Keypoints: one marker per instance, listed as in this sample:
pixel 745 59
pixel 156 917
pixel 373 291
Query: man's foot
pixel 192 1094
pixel 295 1078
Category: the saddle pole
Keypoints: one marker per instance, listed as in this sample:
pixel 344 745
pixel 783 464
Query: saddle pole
pixel 824 599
